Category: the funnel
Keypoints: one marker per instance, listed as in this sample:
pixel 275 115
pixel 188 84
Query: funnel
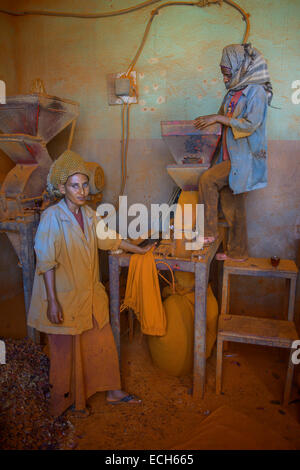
pixel 37 115
pixel 188 145
pixel 187 176
pixel 25 149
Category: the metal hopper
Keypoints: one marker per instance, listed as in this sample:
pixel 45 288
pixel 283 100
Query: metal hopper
pixel 37 115
pixel 24 184
pixel 191 148
pixel 28 123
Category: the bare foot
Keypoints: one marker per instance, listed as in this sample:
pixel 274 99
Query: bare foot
pixel 116 397
pixel 223 257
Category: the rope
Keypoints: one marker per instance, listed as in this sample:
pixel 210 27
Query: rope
pixel 245 18
pixel 172 274
pixel 79 15
pixel 124 149
pixel 125 153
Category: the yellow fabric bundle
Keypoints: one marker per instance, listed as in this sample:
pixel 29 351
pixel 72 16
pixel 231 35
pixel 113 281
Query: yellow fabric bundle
pixel 66 165
pixel 182 219
pixel 187 197
pixel 143 294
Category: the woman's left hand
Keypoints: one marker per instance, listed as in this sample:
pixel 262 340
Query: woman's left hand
pixel 147 248
pixel 131 248
pixel 204 121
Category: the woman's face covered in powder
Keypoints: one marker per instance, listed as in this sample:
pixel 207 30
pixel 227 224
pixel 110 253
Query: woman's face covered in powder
pixel 76 189
pixel 227 75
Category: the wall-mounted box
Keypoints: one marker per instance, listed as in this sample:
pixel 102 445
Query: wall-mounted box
pixel 120 87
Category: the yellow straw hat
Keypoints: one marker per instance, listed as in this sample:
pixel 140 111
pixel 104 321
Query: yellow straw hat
pixel 66 165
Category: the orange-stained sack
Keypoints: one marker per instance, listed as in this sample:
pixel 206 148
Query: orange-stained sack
pixel 173 352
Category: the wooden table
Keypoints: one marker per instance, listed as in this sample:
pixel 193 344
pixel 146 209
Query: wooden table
pixel 201 269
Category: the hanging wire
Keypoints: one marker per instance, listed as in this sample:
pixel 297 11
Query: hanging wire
pixel 80 15
pixel 126 146
pixel 147 30
pixel 155 12
pixel 158 261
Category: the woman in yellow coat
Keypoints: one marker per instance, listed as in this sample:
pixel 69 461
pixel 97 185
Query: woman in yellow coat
pixel 69 303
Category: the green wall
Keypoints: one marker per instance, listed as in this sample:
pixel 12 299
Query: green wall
pixel 178 67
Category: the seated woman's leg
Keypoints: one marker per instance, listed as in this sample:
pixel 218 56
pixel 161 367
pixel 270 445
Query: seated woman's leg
pixel 233 206
pixel 210 184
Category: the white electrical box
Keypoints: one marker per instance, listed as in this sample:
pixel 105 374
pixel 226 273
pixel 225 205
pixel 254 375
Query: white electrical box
pixel 122 89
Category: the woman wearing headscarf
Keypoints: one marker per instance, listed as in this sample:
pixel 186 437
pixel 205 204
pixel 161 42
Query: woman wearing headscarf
pixel 68 302
pixel 241 164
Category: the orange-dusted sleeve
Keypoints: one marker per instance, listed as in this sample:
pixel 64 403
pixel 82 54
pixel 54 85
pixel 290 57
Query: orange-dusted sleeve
pixel 47 242
pixel 107 238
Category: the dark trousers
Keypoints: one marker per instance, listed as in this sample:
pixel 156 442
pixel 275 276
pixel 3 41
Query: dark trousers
pixel 214 187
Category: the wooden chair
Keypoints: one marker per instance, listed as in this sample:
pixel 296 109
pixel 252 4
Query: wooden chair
pixel 253 330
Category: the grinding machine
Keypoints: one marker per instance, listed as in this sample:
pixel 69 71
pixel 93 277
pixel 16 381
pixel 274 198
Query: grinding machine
pixel 28 123
pixel 193 151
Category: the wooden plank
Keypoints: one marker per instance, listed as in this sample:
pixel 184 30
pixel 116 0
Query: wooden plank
pixel 259 341
pixel 225 294
pixel 288 381
pixel 260 328
pixel 201 279
pixel 292 296
pixel 219 368
pixel 262 266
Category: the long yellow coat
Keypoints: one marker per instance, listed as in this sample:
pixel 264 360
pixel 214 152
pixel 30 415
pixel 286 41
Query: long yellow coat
pixel 61 244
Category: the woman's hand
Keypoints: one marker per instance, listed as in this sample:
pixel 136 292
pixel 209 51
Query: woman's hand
pixel 54 311
pixel 145 249
pixel 127 246
pixel 204 121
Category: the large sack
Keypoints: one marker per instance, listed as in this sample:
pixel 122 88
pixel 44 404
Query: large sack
pixel 173 352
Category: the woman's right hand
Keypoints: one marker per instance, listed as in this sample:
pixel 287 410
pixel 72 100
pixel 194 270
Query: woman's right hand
pixel 54 311
pixel 204 121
